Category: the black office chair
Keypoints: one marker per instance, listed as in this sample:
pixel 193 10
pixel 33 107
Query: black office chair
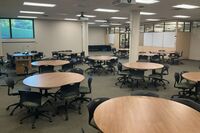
pixel 144 93
pixel 188 102
pixel 77 70
pixel 69 94
pixel 123 79
pixel 67 67
pixel 13 92
pixel 184 87
pixel 157 76
pixel 46 69
pixel 33 101
pixel 86 90
pixel 92 105
pixel 155 59
pixel 110 65
pixel 143 58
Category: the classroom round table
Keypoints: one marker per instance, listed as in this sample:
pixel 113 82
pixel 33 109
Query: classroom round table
pixel 143 65
pixel 140 114
pixel 192 76
pixel 53 80
pixel 50 63
pixel 102 58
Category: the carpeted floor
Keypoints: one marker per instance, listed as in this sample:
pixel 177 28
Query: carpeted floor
pixel 103 86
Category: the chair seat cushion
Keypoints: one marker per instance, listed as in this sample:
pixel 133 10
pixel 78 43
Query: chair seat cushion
pixel 185 85
pixel 84 89
pixel 30 104
pixel 155 76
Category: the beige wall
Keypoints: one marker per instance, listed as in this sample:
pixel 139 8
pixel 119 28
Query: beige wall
pixel 97 36
pixel 50 36
pixel 194 53
pixel 183 43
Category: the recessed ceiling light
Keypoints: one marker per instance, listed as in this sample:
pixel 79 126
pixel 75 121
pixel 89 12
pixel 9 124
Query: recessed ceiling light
pixel 71 19
pixel 181 16
pixel 186 6
pixel 101 21
pixel 88 16
pixel 26 17
pixel 106 10
pixel 39 4
pixel 104 25
pixel 147 1
pixel 91 23
pixel 153 19
pixel 115 24
pixel 31 12
pixel 147 13
pixel 119 18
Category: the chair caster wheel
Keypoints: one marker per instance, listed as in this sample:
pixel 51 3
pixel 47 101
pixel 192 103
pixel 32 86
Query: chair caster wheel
pixel 50 121
pixel 7 109
pixel 11 114
pixel 21 122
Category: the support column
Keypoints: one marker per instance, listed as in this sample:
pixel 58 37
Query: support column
pixel 85 37
pixel 134 35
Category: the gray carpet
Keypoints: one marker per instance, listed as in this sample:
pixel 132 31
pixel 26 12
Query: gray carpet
pixel 103 86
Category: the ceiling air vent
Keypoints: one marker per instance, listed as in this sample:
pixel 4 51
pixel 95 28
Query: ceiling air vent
pixel 123 3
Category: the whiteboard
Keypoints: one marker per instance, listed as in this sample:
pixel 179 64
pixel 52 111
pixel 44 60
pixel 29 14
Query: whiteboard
pixel 148 39
pixel 111 38
pixel 169 39
pixel 158 39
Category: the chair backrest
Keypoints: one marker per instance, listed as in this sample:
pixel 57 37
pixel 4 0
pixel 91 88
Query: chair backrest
pixel 177 78
pixel 71 90
pixel 92 105
pixel 67 67
pixel 143 58
pixel 155 58
pixel 181 77
pixel 144 93
pixel 165 69
pixel 90 78
pixel 32 97
pixel 77 70
pixel 33 51
pixel 11 84
pixel 46 69
pixel 82 54
pixel 188 102
pixel 119 66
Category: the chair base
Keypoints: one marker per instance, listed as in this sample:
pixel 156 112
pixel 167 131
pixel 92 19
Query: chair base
pixel 35 114
pixel 17 105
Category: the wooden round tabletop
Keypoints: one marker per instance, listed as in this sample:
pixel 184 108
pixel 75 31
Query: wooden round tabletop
pixel 139 114
pixel 102 58
pixel 53 80
pixel 192 76
pixel 50 62
pixel 143 65
pixel 147 54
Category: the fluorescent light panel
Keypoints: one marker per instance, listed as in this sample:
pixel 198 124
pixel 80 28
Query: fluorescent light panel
pixel 31 12
pixel 106 10
pixel 119 18
pixel 181 16
pixel 153 19
pixel 115 24
pixel 88 16
pixel 147 13
pixel 71 19
pixel 101 21
pixel 147 1
pixel 104 25
pixel 186 6
pixel 39 4
pixel 91 23
pixel 26 16
pixel 128 22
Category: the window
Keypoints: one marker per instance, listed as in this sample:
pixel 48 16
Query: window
pixel 17 28
pixel 149 28
pixel 170 26
pixel 159 27
pixel 5 28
